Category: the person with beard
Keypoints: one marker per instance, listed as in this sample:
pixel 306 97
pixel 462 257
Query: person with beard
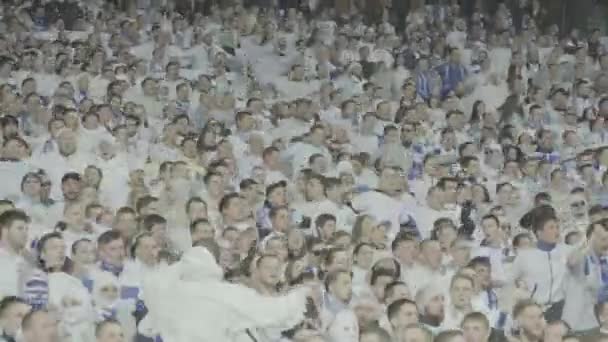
pixel 12 311
pixel 431 301
pixel 109 306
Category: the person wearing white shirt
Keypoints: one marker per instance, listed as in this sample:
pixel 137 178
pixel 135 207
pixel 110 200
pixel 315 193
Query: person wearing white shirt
pixel 13 240
pixel 316 200
pixel 460 301
pixel 543 269
pixel 429 269
pixel 385 203
pixel 366 141
pixel 299 153
pixel 493 247
pixel 272 166
pixel 587 280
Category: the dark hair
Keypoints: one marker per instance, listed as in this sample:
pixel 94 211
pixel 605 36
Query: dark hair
pixel 380 272
pixel 75 245
pixel 151 220
pixel 194 200
pixel 8 217
pixel 390 287
pixel 333 276
pixel 480 261
pixel 196 223
pixel 144 202
pixel 394 307
pixel 108 237
pixel 225 201
pixel 382 334
pixel 71 176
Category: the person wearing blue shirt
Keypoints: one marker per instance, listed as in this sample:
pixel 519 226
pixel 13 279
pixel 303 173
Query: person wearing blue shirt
pixel 453 73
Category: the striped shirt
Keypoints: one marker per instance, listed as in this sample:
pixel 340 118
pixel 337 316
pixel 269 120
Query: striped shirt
pixel 36 289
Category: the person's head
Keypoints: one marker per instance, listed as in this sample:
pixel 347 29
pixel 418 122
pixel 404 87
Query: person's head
pixel 339 284
pixel 67 142
pixel 431 253
pixel 84 252
pixel 377 334
pixel 280 218
pixel 461 291
pixel 31 185
pixel 12 311
pixel 109 331
pixel 476 327
pixel 326 226
pixel 379 279
pixel 402 313
pixel 147 205
pixel 71 186
pixel 14 229
pixel 404 248
pixel 146 248
pixel 230 207
pixel 395 291
pixel 545 226
pixel 483 271
pixel 201 229
pixel 530 319
pixel 268 270
pixel 215 184
pixel 363 255
pixel 276 194
pixel 597 233
pixel 196 209
pixel 51 251
pixel 40 326
pixel 111 247
pixel 125 222
pixel 315 187
pixel 417 333
pixel 491 228
pixel 337 259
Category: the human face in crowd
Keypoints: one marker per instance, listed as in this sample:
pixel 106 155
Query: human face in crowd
pixel 111 332
pixel 269 271
pixel 550 232
pixel 71 189
pixel 461 293
pixel 85 253
pixel 126 224
pixel 113 252
pixel 147 250
pixel 281 221
pixel 341 288
pixel 53 253
pixel 408 314
pixel 532 322
pixel 475 331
